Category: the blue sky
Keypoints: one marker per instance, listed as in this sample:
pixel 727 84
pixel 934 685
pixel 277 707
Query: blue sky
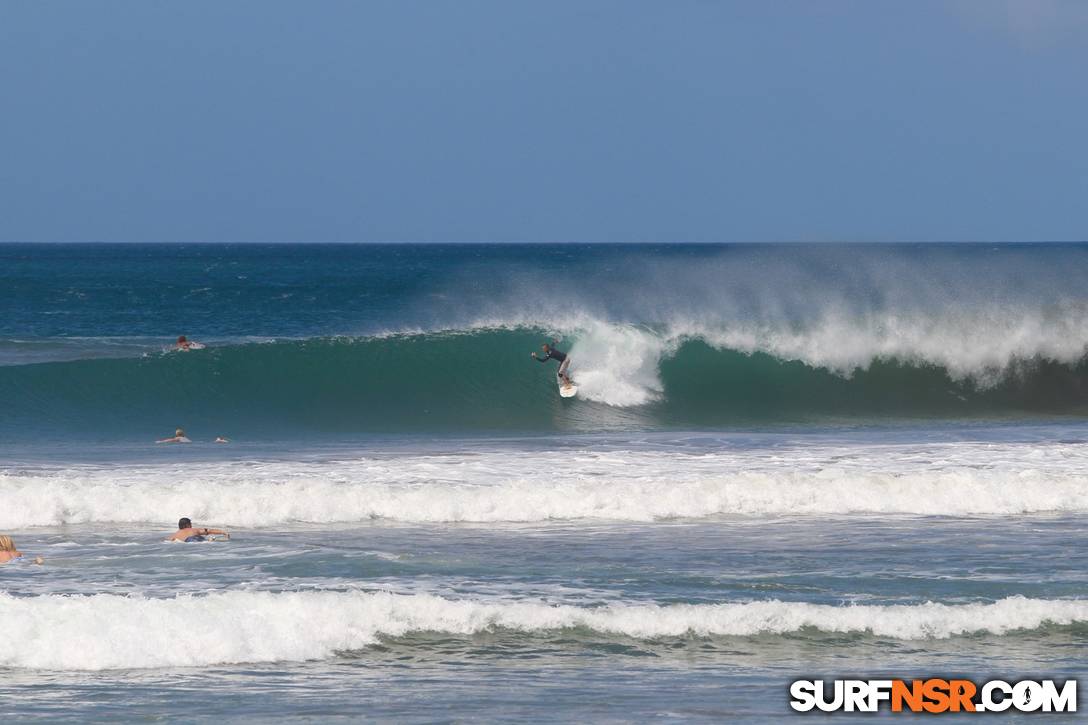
pixel 561 121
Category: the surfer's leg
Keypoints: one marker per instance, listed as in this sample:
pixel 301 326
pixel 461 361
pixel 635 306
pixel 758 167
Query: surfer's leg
pixel 563 370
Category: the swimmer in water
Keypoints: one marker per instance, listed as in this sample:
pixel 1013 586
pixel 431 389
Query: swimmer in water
pixel 550 353
pixel 188 534
pixel 179 437
pixel 221 439
pixel 9 553
pixel 186 344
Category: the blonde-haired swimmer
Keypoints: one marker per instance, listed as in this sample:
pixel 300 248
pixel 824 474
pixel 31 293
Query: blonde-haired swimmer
pixel 8 552
pixel 179 437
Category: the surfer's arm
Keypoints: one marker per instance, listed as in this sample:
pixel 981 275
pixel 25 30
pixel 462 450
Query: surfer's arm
pixel 213 532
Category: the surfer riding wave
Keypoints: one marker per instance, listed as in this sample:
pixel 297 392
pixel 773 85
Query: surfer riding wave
pixel 550 353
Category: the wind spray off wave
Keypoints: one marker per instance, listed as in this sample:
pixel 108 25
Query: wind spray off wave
pixel 380 339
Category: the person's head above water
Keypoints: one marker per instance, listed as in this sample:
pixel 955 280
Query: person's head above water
pixel 184 523
pixel 545 347
pixel 181 339
pixel 180 433
pixel 6 544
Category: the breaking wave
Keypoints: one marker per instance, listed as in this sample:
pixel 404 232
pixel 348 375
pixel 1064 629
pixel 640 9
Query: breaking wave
pixel 506 486
pixel 482 379
pixel 234 627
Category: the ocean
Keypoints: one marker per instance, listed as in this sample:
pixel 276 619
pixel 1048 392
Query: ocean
pixel 783 462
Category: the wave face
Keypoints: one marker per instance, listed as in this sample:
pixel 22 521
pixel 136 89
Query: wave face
pixel 954 479
pixel 315 339
pixel 484 380
pixel 136 632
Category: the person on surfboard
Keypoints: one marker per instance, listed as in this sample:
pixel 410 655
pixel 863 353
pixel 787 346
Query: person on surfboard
pixel 550 353
pixel 179 437
pixel 184 344
pixel 187 533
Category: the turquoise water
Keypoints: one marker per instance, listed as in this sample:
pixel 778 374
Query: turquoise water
pixel 783 462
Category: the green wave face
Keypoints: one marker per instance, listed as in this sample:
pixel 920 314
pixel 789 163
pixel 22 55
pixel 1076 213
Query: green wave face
pixel 708 386
pixel 484 382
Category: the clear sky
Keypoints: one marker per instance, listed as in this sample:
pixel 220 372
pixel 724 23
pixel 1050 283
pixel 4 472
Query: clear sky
pixel 585 120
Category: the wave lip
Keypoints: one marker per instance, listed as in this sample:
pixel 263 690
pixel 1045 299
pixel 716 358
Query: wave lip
pixel 116 632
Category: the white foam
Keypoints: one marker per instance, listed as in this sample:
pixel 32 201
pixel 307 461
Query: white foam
pixel 978 312
pixel 617 485
pixel 106 631
pixel 617 363
pixel 981 345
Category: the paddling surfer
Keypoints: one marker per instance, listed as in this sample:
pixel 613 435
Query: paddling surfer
pixel 179 437
pixel 187 533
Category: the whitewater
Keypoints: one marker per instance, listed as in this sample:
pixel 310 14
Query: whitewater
pixel 689 479
pixel 137 632
pixel 783 461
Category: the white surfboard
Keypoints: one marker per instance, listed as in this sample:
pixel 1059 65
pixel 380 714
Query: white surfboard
pixel 192 346
pixel 566 390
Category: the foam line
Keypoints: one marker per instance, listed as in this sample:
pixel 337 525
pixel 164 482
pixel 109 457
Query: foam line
pixel 106 631
pixel 501 486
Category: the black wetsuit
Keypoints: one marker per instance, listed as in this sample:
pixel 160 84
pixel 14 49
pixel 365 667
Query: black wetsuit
pixel 561 358
pixel 553 354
